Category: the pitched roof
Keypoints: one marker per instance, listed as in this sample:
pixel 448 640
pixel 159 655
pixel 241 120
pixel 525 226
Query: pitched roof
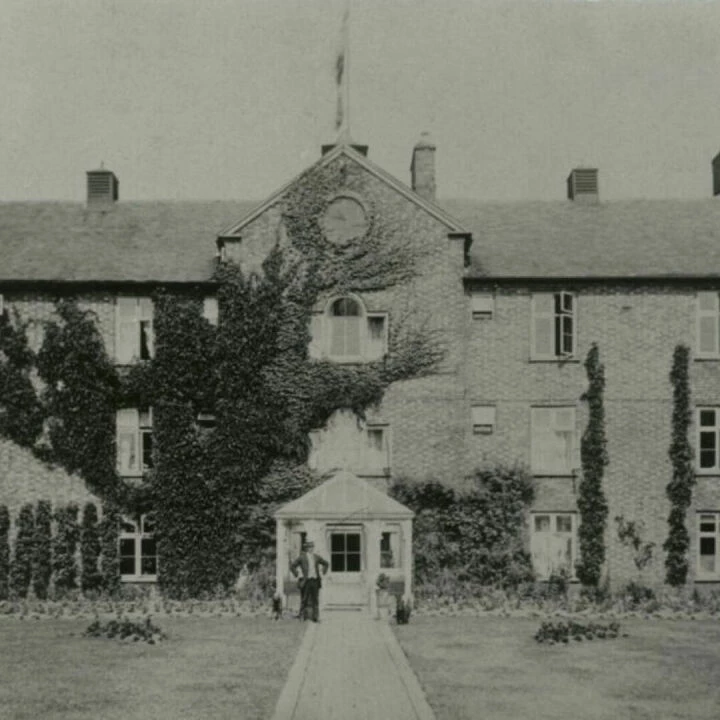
pixel 175 241
pixel 633 238
pixel 344 497
pixel 131 242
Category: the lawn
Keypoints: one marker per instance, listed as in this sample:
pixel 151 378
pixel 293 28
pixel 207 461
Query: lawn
pixel 492 668
pixel 211 667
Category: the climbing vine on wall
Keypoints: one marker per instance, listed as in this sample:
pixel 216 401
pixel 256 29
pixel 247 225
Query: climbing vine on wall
pixel 22 562
pixel 591 497
pixel 679 489
pixel 4 552
pixel 42 549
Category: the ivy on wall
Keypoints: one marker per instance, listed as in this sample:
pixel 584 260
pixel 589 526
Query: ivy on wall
pixel 4 552
pixel 21 414
pixel 679 489
pixel 591 497
pixel 64 548
pixel 42 550
pixel 90 549
pixel 22 562
pixel 109 560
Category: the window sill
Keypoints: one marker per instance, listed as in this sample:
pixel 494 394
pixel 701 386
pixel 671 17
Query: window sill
pixel 555 360
pixel 138 578
pixel 706 358
pixel 713 472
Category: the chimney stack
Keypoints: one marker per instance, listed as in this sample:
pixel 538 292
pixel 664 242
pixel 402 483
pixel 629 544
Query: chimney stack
pixel 102 187
pixel 582 185
pixel 422 167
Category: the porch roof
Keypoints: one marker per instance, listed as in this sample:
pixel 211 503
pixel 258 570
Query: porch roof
pixel 344 497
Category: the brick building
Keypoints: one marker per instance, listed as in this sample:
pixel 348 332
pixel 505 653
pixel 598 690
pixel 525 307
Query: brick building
pixel 520 292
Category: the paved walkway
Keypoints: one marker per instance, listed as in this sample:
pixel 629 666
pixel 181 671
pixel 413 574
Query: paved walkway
pixel 351 667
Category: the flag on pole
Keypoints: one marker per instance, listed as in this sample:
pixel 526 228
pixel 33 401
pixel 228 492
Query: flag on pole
pixel 341 112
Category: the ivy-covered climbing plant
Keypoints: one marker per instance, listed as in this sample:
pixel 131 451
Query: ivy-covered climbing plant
pixel 591 497
pixel 679 489
pixel 213 487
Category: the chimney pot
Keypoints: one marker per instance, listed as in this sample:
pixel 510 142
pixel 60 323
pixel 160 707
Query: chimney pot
pixel 422 167
pixel 582 185
pixel 103 187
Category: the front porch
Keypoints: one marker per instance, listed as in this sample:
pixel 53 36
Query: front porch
pixel 359 530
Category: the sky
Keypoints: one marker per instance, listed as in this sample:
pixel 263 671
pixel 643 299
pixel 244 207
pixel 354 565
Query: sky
pixel 230 99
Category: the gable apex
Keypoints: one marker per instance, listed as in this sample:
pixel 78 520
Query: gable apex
pixel 348 151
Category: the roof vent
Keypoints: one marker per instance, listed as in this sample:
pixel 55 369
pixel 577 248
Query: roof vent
pixel 582 185
pixel 102 187
pixel 716 174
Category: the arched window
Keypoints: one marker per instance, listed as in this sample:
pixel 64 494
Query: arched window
pixel 345 319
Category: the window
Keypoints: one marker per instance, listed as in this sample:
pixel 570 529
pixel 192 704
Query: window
pixel 390 548
pixel 483 305
pixel 134 441
pixel 553 449
pixel 345 553
pixel 708 429
pixel 553 543
pixel 553 326
pixel 483 419
pixel 346 333
pixel 708 563
pixel 708 325
pixel 138 549
pixel 210 310
pixel 134 329
pixel 361 449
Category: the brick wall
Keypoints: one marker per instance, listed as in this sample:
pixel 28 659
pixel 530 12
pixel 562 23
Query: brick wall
pixel 637 329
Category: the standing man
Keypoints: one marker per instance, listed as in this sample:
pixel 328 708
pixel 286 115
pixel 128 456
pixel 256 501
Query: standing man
pixel 310 581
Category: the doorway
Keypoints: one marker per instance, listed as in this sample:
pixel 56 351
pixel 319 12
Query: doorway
pixel 346 582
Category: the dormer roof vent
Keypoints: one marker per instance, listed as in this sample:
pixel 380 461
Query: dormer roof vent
pixel 103 187
pixel 582 185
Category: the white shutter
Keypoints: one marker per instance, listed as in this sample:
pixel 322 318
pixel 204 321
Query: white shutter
pixel 127 334
pixel 146 317
pixel 543 326
pixel 353 335
pixel 483 418
pixel 483 304
pixel 317 331
pixel 540 439
pixel 564 434
pixel 376 344
pixel 127 433
pixel 210 310
pixel 540 545
pixel 707 324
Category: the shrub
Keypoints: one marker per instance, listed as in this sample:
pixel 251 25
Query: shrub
pixel 564 631
pixel 91 579
pixel 4 552
pixel 65 549
pixel 21 568
pixel 403 610
pixel 127 630
pixel 42 560
pixel 109 560
pixel 637 594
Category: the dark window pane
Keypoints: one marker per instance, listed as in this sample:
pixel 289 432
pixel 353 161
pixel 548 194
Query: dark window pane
pixel 353 562
pixel 149 566
pixel 707 458
pixel 558 335
pixel 127 526
pixel 345 307
pixel 707 546
pixel 558 303
pixel 127 547
pixel 337 542
pixel 353 542
pixel 567 302
pixel 148 547
pixel 707 527
pixel 567 335
pixel 385 542
pixel 707 417
pixel 127 565
pixel 337 563
pixel 149 524
pixel 147 444
pixel 707 440
pixel 144 339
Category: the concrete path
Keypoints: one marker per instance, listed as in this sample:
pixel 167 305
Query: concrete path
pixel 351 667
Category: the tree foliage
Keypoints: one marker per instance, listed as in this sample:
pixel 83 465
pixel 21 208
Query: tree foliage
pixel 22 562
pixel 679 489
pixel 591 497
pixel 64 549
pixel 42 550
pixel 4 552
pixel 91 578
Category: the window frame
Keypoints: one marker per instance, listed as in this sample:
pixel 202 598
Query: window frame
pixel 715 469
pixel 573 460
pixel 391 530
pixel 482 305
pixel 554 515
pixel 556 318
pixel 483 423
pixel 141 432
pixel 321 334
pixel 386 451
pixel 142 344
pixel 138 535
pixel 701 574
pixel 317 438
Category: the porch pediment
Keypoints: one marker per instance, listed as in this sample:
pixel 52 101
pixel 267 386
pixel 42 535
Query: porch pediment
pixel 344 497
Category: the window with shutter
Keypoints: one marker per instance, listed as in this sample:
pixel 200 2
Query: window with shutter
pixel 483 419
pixel 210 310
pixel 483 305
pixel 554 327
pixel 376 338
pixel 134 338
pixel 376 459
pixel 708 440
pixel 708 325
pixel 133 441
pixel 553 543
pixel 553 440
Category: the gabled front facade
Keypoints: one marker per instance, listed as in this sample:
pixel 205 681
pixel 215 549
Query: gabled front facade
pixel 518 293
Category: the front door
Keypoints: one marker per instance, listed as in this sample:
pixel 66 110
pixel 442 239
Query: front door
pixel 345 582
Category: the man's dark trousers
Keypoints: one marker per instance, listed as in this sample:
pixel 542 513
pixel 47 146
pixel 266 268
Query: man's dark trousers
pixel 309 599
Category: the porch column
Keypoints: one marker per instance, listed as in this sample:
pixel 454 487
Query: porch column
pixel 372 554
pixel 407 558
pixel 280 559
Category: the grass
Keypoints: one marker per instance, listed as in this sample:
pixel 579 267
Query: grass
pixel 492 668
pixel 218 668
